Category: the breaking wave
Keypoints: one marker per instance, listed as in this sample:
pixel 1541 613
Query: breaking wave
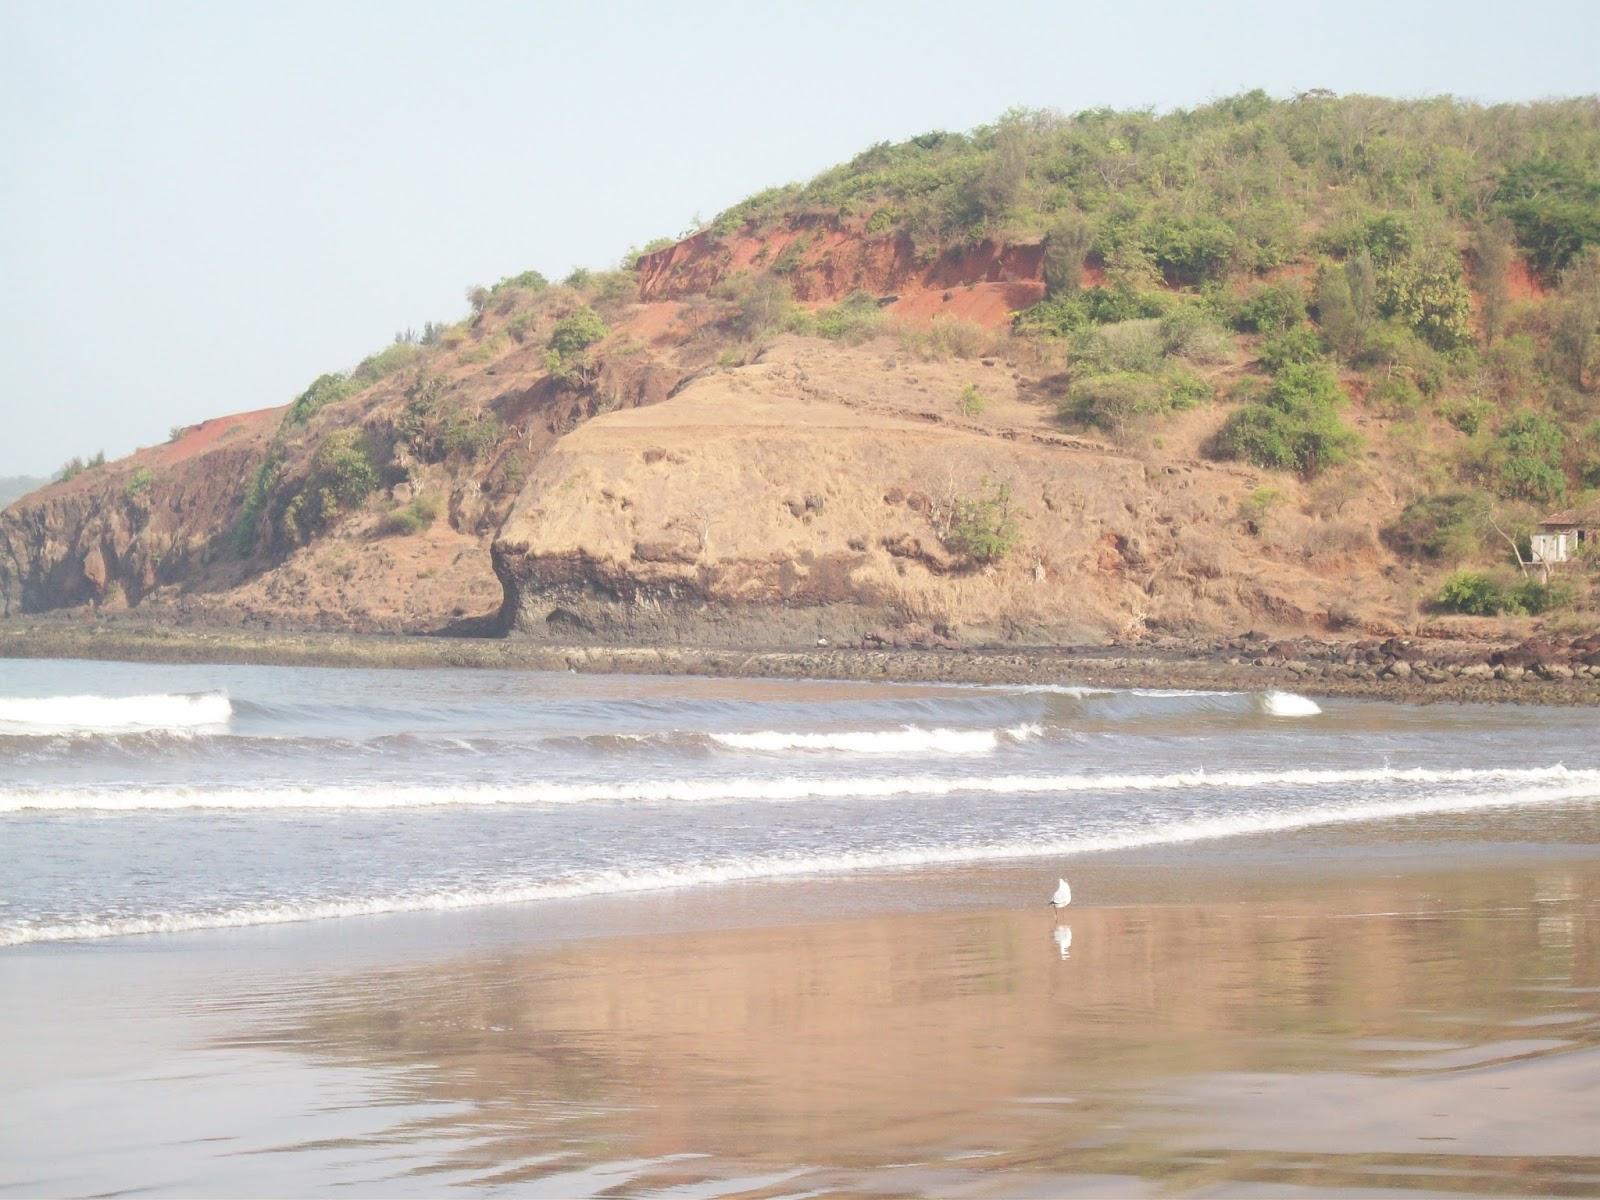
pixel 1577 785
pixel 181 713
pixel 1288 704
pixel 746 789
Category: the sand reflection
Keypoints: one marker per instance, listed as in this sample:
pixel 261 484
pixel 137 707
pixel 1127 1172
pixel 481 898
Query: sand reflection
pixel 1387 1032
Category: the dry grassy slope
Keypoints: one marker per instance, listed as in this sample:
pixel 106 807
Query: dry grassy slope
pixel 789 499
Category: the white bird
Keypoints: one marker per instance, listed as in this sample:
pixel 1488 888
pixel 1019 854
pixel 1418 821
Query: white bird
pixel 1063 937
pixel 1063 896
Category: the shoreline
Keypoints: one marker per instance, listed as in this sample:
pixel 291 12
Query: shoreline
pixel 1287 1006
pixel 1324 667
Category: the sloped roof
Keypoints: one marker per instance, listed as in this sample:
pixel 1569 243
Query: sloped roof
pixel 1582 514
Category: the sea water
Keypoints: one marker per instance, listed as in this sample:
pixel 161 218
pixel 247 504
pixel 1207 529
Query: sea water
pixel 139 799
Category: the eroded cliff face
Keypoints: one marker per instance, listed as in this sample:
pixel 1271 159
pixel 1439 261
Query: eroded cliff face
pixel 159 530
pixel 826 258
pixel 116 533
pixel 664 496
pixel 809 496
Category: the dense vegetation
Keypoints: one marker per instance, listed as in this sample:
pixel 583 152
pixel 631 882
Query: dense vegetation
pixel 1433 263
pixel 1245 184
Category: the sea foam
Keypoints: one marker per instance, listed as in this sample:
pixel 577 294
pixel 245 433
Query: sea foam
pixel 749 789
pixel 1288 704
pixel 114 714
pixel 773 867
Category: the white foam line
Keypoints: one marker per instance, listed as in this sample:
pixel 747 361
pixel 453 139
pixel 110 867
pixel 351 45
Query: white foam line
pixel 908 739
pixel 738 789
pixel 113 714
pixel 758 870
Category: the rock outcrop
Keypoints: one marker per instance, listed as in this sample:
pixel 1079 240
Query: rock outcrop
pixel 808 496
pixel 113 534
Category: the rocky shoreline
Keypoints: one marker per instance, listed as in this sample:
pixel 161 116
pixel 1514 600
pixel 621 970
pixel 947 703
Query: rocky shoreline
pixel 1542 670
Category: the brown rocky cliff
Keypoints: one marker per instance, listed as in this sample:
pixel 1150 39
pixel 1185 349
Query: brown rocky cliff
pixel 825 259
pixel 114 533
pixel 803 497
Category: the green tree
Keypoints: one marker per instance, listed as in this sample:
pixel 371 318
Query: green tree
pixel 1554 204
pixel 1426 293
pixel 1575 340
pixel 1491 259
pixel 1347 303
pixel 1066 246
pixel 982 528
pixel 577 331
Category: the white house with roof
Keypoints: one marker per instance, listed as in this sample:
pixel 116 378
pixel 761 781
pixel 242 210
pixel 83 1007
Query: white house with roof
pixel 1559 536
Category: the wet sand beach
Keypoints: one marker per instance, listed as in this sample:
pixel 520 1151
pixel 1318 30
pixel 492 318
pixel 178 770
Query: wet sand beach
pixel 1406 1008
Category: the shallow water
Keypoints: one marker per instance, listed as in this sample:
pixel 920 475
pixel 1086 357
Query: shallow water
pixel 138 798
pixel 1326 1017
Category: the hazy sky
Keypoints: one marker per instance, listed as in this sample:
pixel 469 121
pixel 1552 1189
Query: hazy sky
pixel 203 206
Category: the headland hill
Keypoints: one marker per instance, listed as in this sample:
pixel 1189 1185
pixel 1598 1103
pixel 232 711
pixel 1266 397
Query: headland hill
pixel 1300 391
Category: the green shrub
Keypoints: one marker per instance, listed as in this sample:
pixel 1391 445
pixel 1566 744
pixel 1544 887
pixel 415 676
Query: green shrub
pixel 973 401
pixel 1060 316
pixel 324 390
pixel 1526 478
pixel 1527 454
pixel 577 331
pixel 1535 598
pixel 1480 595
pixel 791 257
pixel 528 281
pixel 1467 413
pixel 982 528
pixel 1185 389
pixel 1126 346
pixel 1297 346
pixel 433 427
pixel 1447 527
pixel 1395 396
pixel 1271 309
pixel 1347 303
pixel 1295 426
pixel 1555 207
pixel 761 304
pixel 385 362
pixel 412 518
pixel 1588 455
pixel 882 221
pixel 1066 245
pixel 853 320
pixel 342 476
pixel 1192 249
pixel 1188 333
pixel 138 482
pixel 343 468
pixel 1112 402
pixel 1254 508
pixel 1472 593
pixel 247 527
